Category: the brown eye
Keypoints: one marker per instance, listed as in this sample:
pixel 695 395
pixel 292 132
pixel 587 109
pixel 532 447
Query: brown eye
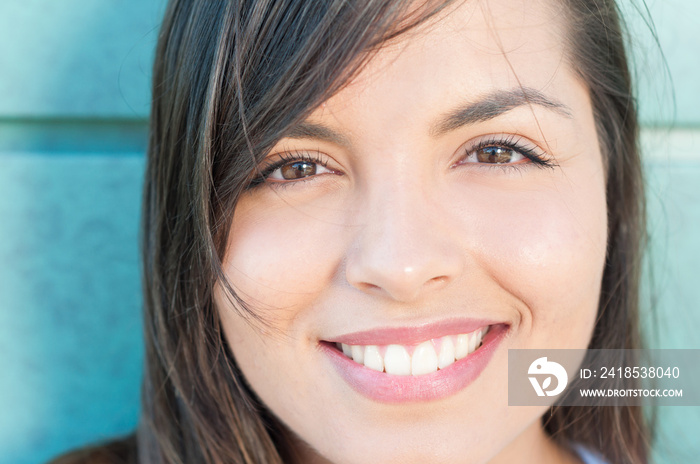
pixel 297 170
pixel 495 155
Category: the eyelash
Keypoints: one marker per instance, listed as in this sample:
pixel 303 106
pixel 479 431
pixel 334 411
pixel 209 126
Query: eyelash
pixel 286 158
pixel 510 142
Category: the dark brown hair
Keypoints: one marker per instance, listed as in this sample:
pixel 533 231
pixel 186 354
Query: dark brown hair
pixel 596 44
pixel 230 78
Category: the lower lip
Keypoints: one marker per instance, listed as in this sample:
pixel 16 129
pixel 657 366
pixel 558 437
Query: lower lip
pixel 387 388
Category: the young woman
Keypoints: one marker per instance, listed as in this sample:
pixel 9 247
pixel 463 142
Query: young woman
pixel 354 209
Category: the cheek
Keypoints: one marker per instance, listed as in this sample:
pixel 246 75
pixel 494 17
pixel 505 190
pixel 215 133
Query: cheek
pixel 282 258
pixel 546 247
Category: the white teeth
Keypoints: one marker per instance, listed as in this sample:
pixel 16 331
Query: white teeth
pixel 358 353
pixel 424 359
pixel 472 340
pixel 373 359
pixel 475 339
pixel 447 352
pixel 397 361
pixel 462 346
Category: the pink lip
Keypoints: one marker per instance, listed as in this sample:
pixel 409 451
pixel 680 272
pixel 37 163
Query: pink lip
pixel 387 388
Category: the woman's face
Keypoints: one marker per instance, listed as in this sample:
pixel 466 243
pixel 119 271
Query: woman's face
pixel 454 187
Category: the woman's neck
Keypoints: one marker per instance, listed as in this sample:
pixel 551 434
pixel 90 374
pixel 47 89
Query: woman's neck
pixel 535 446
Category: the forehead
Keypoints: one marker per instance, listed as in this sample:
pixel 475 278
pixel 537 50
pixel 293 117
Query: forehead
pixel 471 49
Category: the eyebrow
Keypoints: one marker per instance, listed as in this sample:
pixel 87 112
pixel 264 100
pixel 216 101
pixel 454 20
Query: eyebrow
pixel 495 104
pixel 308 130
pixel 486 107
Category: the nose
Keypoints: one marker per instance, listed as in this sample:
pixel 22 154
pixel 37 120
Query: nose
pixel 404 246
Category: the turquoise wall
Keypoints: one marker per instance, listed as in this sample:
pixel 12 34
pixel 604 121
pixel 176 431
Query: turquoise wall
pixel 74 97
pixel 74 101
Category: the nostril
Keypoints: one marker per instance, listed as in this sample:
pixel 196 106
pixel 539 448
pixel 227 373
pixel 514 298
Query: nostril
pixel 436 282
pixel 367 287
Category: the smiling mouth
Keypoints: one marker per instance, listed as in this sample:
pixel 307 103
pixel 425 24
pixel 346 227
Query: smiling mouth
pixel 420 359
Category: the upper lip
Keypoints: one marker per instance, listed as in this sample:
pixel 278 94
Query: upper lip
pixel 410 335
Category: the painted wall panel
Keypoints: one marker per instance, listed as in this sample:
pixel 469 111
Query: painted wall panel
pixel 70 303
pixel 671 277
pixel 667 77
pixel 77 58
